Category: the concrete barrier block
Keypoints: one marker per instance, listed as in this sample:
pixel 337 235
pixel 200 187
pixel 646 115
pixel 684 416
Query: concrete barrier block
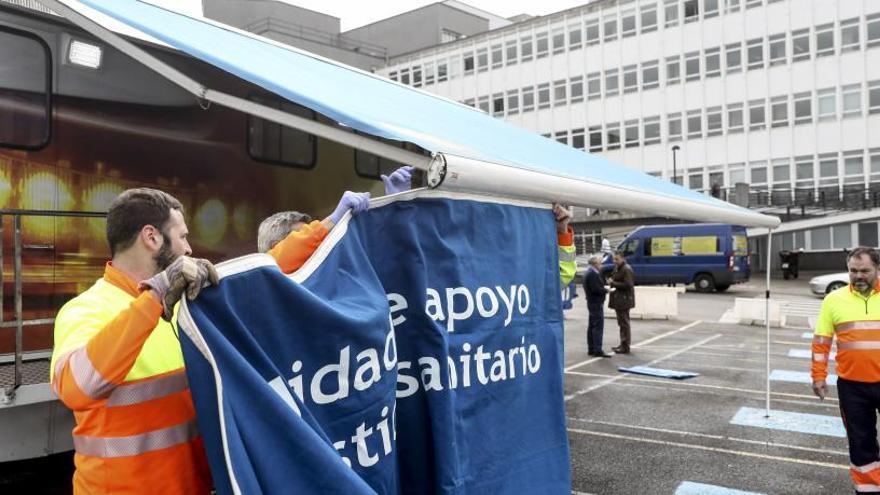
pixel 750 311
pixel 653 303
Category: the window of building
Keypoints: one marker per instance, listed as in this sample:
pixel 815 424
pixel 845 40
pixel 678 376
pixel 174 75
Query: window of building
pixel 650 75
pixel 849 35
pixel 560 88
pixel 632 133
pixel 735 119
pixel 803 111
pixel 576 91
pixel 266 141
pixel 781 174
pixel 651 130
pixel 691 10
pixel 470 102
pixel 610 27
pixel 779 111
pixel 758 172
pixel 828 169
pixel 695 179
pixel 498 105
pixel 714 122
pixel 525 49
pixel 497 56
pixel 592 30
pixel 25 93
pixel 561 137
pixel 483 104
pixel 716 177
pixel 732 6
pixel 510 49
pixel 612 87
pixel 512 102
pixel 628 23
pixel 695 124
pixel 713 62
pixel 577 138
pixel 630 79
pixel 670 12
pixel 820 238
pixel 804 173
pixel 575 37
pixel 673 125
pixel 649 17
pixel 826 103
pixel 852 100
pixel 558 40
pixel 873 26
pixel 875 164
pixel 825 40
pixel 542 48
pixel 874 96
pixel 392 75
pixel 673 70
pixel 853 167
pixel 753 3
pixel 404 76
pixel 454 67
pixel 800 45
pixel 528 99
pixel 468 65
pixel 757 115
pixel 429 73
pixel 612 136
pixel 482 60
pixel 595 138
pixel 778 55
pixel 733 56
pixel 755 50
pixel 710 8
pixel 417 76
pixel 594 85
pixel 737 173
pixel 544 95
pixel 842 235
pixel 692 66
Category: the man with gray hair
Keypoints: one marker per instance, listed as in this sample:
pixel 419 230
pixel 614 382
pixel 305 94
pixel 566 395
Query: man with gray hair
pixel 594 287
pixel 275 228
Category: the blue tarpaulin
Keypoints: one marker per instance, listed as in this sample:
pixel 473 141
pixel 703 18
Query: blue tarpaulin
pixel 421 346
pixel 659 372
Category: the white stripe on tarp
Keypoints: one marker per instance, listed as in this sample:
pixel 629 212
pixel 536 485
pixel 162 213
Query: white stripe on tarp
pixel 814 424
pixel 691 488
pixel 799 377
pixel 806 354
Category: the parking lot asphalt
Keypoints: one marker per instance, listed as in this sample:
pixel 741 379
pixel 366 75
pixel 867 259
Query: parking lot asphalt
pixel 641 434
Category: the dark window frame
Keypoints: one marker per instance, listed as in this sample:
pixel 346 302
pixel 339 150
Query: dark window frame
pixel 255 97
pixel 47 137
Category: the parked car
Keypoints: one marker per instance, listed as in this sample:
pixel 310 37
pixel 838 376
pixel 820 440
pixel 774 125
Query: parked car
pixel 711 256
pixel 825 284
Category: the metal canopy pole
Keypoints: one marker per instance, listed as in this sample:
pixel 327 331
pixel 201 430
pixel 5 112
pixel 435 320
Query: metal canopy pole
pixel 767 318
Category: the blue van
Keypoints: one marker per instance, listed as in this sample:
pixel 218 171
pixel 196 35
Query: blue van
pixel 712 256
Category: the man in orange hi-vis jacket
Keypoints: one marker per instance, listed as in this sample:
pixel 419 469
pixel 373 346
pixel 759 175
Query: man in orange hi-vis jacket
pixel 118 364
pixel 852 315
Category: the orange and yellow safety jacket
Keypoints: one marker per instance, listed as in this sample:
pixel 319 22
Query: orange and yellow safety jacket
pixel 854 320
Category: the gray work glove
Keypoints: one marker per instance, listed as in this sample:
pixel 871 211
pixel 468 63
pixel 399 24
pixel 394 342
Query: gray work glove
pixel 184 274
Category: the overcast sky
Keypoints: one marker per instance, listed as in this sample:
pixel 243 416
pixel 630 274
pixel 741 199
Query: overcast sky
pixel 357 13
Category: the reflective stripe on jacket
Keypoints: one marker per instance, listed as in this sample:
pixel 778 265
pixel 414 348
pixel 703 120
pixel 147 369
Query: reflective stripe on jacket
pixel 854 321
pixel 120 369
pixel 567 264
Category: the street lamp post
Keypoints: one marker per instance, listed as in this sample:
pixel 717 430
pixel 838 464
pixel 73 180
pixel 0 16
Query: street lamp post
pixel 674 171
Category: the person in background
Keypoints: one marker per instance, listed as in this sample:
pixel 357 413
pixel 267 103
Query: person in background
pixel 622 299
pixel 594 287
pixel 565 245
pixel 852 316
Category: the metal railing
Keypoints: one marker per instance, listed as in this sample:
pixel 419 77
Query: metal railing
pixel 272 24
pixel 847 197
pixel 19 323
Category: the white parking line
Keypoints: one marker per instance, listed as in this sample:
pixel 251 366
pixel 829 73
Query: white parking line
pixel 799 377
pixel 623 375
pixel 710 449
pixel 808 354
pixel 640 344
pixel 691 488
pixel 813 424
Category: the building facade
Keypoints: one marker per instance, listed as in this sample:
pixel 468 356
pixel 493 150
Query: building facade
pixel 780 96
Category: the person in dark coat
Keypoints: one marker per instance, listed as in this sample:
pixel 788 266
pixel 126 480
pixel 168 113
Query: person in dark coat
pixel 594 287
pixel 622 299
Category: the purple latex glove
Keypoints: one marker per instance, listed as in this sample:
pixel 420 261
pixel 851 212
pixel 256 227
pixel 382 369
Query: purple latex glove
pixel 398 181
pixel 356 202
